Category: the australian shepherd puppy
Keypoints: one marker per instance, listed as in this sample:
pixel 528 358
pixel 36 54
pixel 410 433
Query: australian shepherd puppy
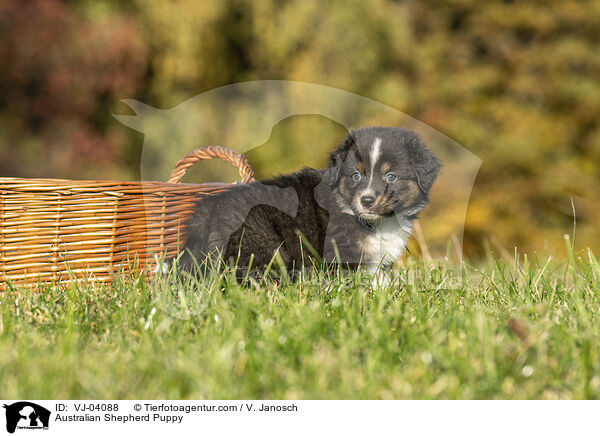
pixel 358 211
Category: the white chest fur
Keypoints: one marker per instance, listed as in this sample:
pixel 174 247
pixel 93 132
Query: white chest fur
pixel 387 243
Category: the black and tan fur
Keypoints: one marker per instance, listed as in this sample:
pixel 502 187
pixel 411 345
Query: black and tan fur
pixel 359 210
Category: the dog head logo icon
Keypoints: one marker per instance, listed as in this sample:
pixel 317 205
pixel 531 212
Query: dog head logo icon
pixel 26 415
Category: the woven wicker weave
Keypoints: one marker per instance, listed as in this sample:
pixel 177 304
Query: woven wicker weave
pixel 54 231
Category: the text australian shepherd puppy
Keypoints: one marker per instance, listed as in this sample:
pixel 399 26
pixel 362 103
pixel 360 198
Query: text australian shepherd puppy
pixel 358 211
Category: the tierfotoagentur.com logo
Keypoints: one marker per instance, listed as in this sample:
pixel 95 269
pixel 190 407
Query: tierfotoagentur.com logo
pixel 24 415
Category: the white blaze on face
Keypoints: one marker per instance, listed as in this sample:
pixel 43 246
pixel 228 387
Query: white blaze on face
pixel 373 157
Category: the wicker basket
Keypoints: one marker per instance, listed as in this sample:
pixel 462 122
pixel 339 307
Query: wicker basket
pixel 55 231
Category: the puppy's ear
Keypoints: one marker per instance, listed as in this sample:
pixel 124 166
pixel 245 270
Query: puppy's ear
pixel 427 167
pixel 338 157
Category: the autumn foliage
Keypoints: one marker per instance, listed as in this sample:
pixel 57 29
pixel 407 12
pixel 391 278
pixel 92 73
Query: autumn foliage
pixel 516 83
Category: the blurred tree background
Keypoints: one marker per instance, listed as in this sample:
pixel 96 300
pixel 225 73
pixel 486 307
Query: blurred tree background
pixel 517 83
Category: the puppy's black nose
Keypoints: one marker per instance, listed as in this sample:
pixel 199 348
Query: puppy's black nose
pixel 367 200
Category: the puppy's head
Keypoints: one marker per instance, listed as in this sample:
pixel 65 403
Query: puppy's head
pixel 379 171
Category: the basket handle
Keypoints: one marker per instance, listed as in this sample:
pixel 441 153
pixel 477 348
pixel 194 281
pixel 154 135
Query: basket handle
pixel 210 152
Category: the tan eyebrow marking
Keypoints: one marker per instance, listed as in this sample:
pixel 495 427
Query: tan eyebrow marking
pixel 361 166
pixel 385 167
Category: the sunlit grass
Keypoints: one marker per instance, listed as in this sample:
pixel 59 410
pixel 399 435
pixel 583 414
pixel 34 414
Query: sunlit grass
pixel 519 328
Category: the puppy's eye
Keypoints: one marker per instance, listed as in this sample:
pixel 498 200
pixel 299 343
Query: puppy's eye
pixel 356 176
pixel 390 177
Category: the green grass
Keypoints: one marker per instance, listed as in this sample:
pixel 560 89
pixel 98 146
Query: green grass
pixel 509 329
